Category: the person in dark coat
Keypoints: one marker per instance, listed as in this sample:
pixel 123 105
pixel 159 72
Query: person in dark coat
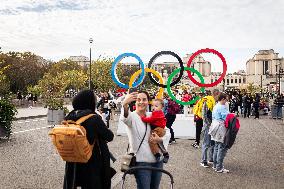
pixel 103 104
pixel 96 173
pixel 256 105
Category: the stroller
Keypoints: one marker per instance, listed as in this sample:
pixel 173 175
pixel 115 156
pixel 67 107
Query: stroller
pixel 133 169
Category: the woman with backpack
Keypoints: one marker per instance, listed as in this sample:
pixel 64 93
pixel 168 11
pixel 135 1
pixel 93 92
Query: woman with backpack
pixel 96 173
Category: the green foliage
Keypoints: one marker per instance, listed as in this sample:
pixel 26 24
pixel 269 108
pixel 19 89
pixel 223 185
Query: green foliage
pixel 63 65
pixel 7 113
pixel 101 75
pixel 253 88
pixel 24 69
pixel 4 82
pixel 53 87
pixel 35 90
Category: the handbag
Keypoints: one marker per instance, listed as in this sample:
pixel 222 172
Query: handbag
pixel 129 159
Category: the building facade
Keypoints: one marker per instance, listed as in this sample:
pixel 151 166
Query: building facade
pixel 81 60
pixel 262 68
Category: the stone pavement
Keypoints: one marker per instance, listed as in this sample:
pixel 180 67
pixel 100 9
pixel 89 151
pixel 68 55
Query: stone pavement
pixel 29 160
pixel 33 112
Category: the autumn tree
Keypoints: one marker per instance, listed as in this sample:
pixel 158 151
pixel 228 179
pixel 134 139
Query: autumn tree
pixel 64 65
pixel 24 69
pixel 53 88
pixel 4 82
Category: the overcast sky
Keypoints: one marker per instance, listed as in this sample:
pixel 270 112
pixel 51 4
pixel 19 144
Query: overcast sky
pixel 58 29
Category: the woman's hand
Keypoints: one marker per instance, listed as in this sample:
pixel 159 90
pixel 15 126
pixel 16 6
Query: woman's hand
pixel 129 98
pixel 154 138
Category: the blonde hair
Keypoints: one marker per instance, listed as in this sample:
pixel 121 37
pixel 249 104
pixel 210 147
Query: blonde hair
pixel 159 100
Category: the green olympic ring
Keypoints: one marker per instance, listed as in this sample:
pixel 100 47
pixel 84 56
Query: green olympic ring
pixel 171 78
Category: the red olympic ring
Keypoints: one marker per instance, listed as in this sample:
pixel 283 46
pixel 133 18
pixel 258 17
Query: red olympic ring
pixel 207 51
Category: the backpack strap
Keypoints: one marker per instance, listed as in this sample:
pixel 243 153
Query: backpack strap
pixel 84 118
pixel 81 120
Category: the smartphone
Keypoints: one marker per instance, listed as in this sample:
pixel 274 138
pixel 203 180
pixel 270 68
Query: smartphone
pixel 132 90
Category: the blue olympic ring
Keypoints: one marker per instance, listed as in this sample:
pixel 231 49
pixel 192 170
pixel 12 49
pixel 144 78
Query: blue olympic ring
pixel 114 65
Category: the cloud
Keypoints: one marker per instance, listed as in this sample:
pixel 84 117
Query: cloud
pixel 43 6
pixel 58 29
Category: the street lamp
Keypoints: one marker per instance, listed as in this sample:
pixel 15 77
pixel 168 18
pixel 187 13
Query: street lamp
pixel 90 79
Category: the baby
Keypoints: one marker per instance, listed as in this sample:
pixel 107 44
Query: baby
pixel 157 122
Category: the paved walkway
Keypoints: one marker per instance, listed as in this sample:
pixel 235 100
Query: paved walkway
pixel 33 112
pixel 256 161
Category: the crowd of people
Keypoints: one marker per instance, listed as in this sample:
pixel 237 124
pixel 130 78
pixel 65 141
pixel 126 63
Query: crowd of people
pixel 149 129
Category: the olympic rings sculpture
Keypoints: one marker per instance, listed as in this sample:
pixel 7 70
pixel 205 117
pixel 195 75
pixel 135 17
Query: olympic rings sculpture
pixel 168 85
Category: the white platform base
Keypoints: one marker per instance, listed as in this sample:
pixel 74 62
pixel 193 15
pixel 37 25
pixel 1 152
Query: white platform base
pixel 184 127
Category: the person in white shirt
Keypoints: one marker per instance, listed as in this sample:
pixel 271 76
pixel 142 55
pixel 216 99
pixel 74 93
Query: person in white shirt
pixel 136 128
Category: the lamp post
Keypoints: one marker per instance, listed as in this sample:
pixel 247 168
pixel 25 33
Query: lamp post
pixel 90 78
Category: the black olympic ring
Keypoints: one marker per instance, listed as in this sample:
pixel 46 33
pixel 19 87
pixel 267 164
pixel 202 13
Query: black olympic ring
pixel 166 53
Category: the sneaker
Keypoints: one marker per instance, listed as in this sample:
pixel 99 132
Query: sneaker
pixel 196 146
pixel 214 168
pixel 172 142
pixel 204 165
pixel 223 171
pixel 193 144
pixel 210 162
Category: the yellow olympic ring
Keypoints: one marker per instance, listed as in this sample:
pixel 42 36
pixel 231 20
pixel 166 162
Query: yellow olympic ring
pixel 157 74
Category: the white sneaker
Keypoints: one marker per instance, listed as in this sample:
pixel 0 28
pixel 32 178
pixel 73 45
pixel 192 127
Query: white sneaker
pixel 223 171
pixel 210 162
pixel 204 165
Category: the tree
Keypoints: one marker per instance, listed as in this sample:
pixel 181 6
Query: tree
pixel 53 88
pixel 24 69
pixel 4 82
pixel 102 80
pixel 252 88
pixel 64 65
pixel 101 75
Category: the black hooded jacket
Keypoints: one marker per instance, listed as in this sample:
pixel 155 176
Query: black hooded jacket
pixel 96 173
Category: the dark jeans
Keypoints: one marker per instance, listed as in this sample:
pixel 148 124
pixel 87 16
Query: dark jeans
pixel 247 111
pixel 170 120
pixel 256 111
pixel 199 125
pixel 147 179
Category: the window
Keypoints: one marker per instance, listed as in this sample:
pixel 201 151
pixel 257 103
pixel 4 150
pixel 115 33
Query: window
pixel 236 80
pixel 265 67
pixel 244 80
pixel 240 80
pixel 228 81
pixel 211 80
pixel 232 81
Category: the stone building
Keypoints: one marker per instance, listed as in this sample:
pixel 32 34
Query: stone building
pixel 262 67
pixel 81 60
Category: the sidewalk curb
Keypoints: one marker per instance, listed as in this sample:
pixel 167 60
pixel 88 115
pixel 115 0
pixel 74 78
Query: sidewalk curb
pixel 29 117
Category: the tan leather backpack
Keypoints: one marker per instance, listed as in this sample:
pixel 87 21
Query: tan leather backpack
pixel 71 141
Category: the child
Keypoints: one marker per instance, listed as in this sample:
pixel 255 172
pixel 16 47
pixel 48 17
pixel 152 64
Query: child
pixel 157 122
pixel 218 131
